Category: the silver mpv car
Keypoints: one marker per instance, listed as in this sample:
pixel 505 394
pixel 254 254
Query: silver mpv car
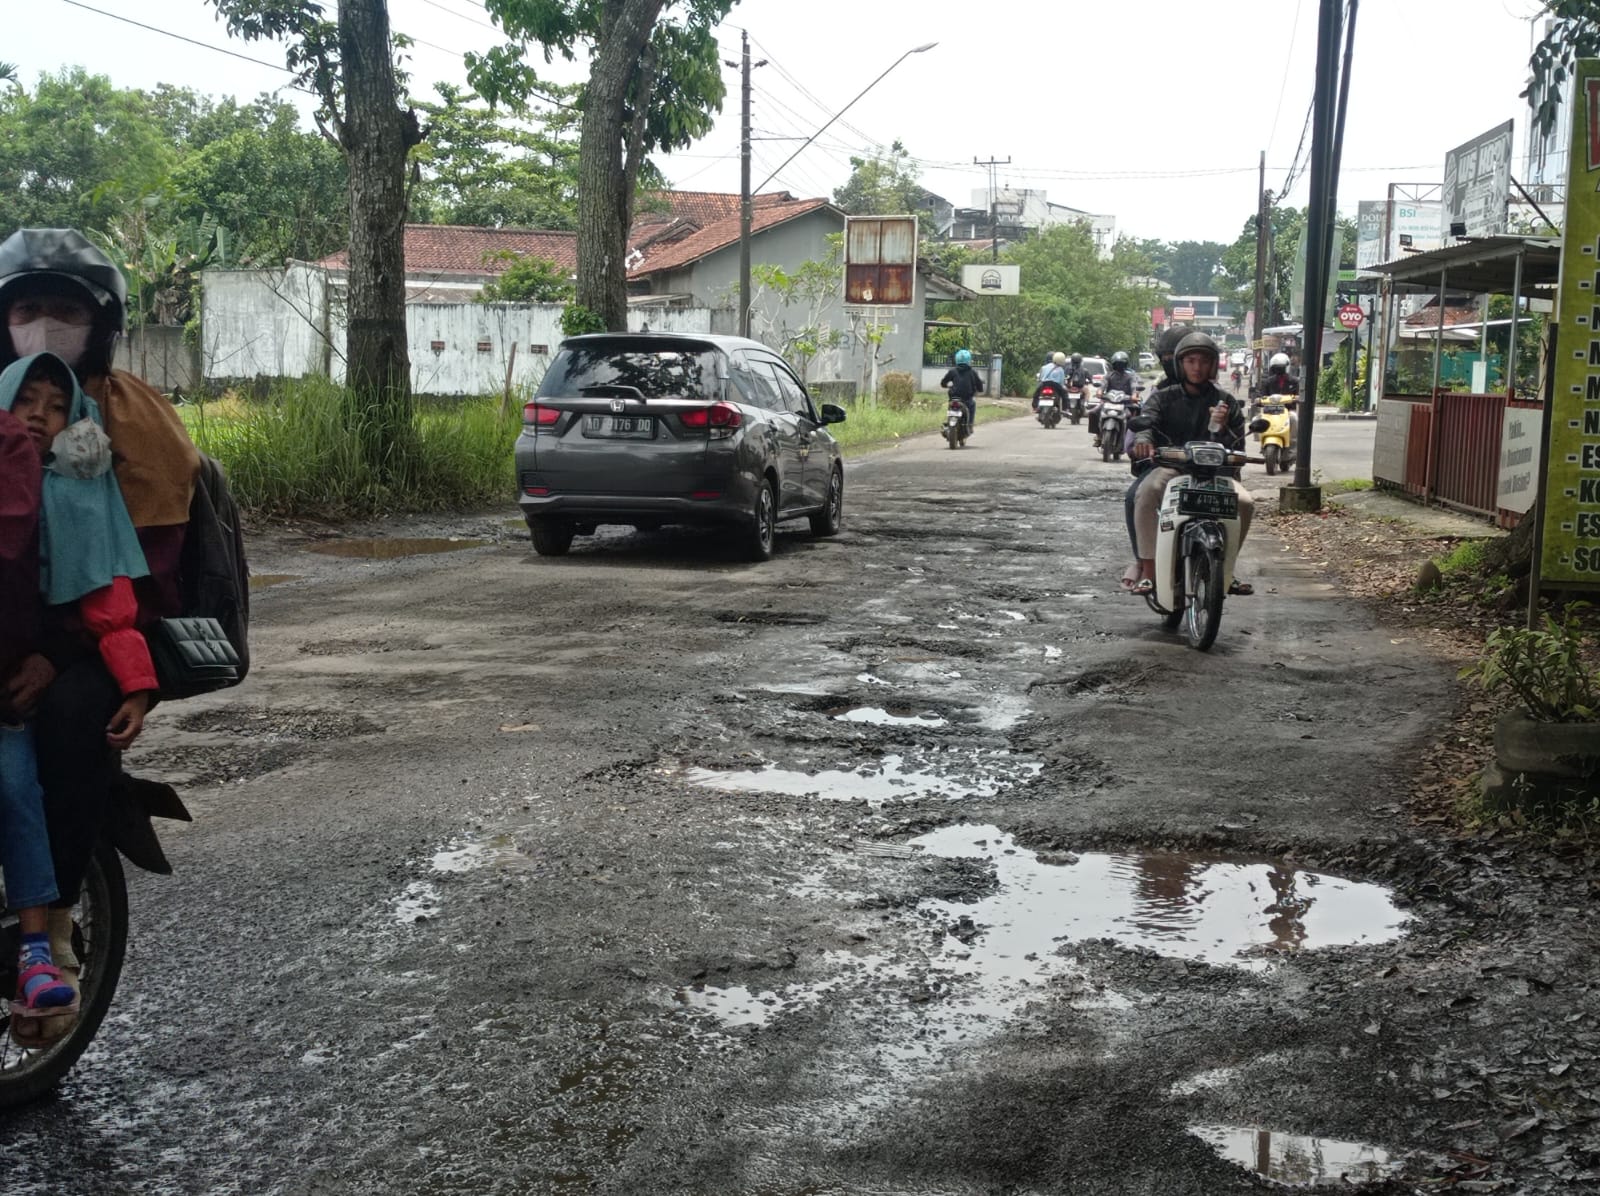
pixel 654 428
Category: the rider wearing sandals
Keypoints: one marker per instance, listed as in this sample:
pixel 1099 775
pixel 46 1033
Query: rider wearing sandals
pixel 1176 415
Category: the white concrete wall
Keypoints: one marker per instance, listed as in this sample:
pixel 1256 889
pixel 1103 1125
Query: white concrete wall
pixel 290 324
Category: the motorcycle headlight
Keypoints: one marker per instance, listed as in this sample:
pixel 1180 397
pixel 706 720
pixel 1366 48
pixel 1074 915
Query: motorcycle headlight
pixel 1208 454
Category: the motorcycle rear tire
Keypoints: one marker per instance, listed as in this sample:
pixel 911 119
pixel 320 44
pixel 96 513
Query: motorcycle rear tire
pixel 1202 606
pixel 950 435
pixel 100 939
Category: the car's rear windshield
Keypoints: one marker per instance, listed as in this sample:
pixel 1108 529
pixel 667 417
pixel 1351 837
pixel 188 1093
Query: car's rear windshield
pixel 1095 365
pixel 655 372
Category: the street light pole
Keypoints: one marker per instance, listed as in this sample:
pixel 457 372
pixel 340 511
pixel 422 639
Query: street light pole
pixel 746 192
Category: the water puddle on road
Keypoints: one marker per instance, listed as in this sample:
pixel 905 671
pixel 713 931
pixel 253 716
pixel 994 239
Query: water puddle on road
pixel 1182 906
pixel 417 902
pixel 388 550
pixel 1296 1161
pixel 886 716
pixel 500 851
pixel 977 773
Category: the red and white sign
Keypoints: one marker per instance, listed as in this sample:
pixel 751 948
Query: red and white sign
pixel 1351 316
pixel 1183 313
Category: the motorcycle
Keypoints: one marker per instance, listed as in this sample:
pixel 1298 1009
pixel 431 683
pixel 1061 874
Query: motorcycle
pixel 1078 399
pixel 1112 420
pixel 1047 402
pixel 1197 540
pixel 1275 434
pixel 30 1069
pixel 955 428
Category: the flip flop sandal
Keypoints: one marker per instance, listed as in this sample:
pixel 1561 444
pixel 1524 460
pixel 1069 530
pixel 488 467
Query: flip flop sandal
pixel 1240 589
pixel 35 1030
pixel 1143 586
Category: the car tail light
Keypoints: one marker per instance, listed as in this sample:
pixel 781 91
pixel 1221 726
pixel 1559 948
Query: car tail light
pixel 540 417
pixel 705 494
pixel 536 491
pixel 720 418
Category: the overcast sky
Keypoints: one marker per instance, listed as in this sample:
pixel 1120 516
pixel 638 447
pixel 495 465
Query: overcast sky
pixel 1152 111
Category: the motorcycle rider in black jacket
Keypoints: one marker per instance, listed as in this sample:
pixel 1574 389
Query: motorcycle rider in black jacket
pixel 963 382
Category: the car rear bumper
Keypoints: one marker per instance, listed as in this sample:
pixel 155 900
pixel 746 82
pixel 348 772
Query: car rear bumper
pixel 734 502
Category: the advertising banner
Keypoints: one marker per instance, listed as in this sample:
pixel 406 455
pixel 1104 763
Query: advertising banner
pixel 1369 234
pixel 1416 229
pixel 1477 183
pixel 988 279
pixel 1572 492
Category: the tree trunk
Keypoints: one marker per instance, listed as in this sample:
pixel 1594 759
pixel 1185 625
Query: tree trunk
pixel 377 137
pixel 604 200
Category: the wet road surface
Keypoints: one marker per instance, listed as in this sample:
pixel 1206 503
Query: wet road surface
pixel 916 861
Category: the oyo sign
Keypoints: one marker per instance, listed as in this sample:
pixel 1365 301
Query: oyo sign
pixel 1351 316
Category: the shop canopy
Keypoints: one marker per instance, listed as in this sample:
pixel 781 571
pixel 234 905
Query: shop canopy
pixel 1481 266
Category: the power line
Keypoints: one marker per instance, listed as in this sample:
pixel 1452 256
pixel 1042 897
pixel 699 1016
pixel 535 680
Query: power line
pixel 461 15
pixel 1288 62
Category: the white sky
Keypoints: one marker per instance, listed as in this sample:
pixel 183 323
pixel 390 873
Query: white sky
pixel 1108 107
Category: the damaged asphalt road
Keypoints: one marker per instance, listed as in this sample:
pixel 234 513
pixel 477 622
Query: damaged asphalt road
pixel 916 861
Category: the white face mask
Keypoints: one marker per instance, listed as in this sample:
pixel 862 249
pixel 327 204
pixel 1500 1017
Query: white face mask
pixel 45 335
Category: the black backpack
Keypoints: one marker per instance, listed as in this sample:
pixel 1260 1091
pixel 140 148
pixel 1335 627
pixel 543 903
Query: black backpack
pixel 213 576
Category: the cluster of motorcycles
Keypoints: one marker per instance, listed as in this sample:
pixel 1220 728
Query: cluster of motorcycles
pixel 1107 411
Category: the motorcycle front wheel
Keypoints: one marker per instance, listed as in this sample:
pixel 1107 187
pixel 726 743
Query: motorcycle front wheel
pixel 1270 456
pixel 100 940
pixel 1202 610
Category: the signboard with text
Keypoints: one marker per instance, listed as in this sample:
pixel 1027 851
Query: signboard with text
pixel 991 279
pixel 1519 457
pixel 1182 313
pixel 1370 216
pixel 1572 491
pixel 1477 183
pixel 1415 229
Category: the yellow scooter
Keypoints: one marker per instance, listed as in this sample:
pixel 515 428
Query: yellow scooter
pixel 1275 433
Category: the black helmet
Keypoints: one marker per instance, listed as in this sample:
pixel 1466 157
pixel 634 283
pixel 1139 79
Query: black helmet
pixel 1119 360
pixel 1196 342
pixel 1170 338
pixel 1077 359
pixel 64 255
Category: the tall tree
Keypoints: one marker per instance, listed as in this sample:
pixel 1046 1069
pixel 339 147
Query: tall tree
pixel 653 84
pixel 350 67
pixel 883 184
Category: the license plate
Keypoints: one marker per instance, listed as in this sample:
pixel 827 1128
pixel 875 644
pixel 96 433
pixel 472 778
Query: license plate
pixel 1221 503
pixel 1047 402
pixel 620 427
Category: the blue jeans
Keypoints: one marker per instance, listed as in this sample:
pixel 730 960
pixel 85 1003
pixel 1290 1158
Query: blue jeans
pixel 24 843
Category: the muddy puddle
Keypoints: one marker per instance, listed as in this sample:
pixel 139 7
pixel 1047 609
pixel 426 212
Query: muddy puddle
pixel 886 716
pixel 388 550
pixel 941 776
pixel 1297 1161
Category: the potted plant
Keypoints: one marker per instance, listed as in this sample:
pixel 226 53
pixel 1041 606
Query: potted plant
pixel 1547 749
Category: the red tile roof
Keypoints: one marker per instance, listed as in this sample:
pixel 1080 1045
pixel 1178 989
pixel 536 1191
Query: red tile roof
pixel 719 234
pixel 467 249
pixel 700 207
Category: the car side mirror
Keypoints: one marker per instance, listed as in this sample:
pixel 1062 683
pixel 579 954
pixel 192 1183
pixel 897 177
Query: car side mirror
pixel 832 413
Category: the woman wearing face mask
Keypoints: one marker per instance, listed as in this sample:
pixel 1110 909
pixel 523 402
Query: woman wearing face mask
pixel 61 295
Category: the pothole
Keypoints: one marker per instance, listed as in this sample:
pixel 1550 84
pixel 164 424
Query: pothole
pixel 211 765
pixel 300 724
pixel 771 618
pixel 886 716
pixel 962 774
pixel 379 549
pixel 1296 1160
pixel 476 854
pixel 1189 907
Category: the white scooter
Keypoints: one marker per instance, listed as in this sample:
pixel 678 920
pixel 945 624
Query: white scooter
pixel 1197 539
pixel 1112 423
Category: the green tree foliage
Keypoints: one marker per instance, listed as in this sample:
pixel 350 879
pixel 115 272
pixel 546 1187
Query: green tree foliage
pixel 1072 299
pixel 1574 33
pixel 655 81
pixel 76 151
pixel 1192 266
pixel 1238 278
pixel 884 184
pixel 527 280
pixel 510 166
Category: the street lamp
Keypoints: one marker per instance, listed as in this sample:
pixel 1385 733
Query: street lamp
pixel 747 192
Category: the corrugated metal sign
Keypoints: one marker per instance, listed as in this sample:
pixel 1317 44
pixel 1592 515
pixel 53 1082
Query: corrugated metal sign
pixel 880 261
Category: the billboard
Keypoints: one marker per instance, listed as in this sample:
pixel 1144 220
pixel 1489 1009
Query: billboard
pixel 991 279
pixel 1369 234
pixel 1415 228
pixel 880 261
pixel 1477 183
pixel 1571 503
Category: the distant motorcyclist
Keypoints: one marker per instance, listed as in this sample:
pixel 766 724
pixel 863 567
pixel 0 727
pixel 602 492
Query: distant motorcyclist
pixel 1054 374
pixel 1077 376
pixel 1050 363
pixel 1280 386
pixel 963 382
pixel 1119 378
pixel 1194 409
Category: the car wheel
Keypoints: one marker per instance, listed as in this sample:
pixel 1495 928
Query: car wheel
pixel 551 537
pixel 830 519
pixel 763 526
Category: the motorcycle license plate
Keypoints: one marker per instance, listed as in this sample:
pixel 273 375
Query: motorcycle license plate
pixel 1047 402
pixel 1223 504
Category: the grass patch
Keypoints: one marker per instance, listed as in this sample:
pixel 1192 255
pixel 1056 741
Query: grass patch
pixel 299 452
pixel 1465 557
pixel 1348 485
pixel 872 427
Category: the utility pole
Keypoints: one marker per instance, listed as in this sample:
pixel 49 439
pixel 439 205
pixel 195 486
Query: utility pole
pixel 994 256
pixel 745 201
pixel 1263 226
pixel 1331 92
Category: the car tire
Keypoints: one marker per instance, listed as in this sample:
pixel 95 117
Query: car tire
pixel 830 519
pixel 551 537
pixel 762 530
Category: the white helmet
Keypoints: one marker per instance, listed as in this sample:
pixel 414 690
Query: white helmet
pixel 1278 361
